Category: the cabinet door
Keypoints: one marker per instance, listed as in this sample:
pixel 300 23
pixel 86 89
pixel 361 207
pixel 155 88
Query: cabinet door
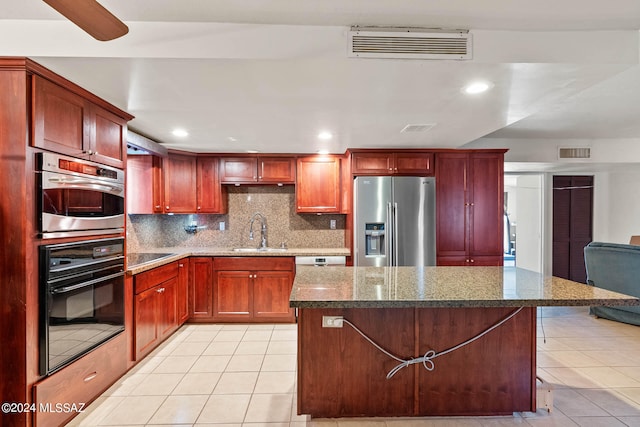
pixel 372 163
pixel 211 196
pixel 139 184
pixel 106 137
pixel 182 291
pixel 451 207
pixel 238 170
pixel 232 295
pixel 486 208
pixel 167 309
pixel 271 291
pixel 179 184
pixel 278 170
pixel 418 164
pixel 318 185
pixel 58 119
pixel 146 321
pixel 201 284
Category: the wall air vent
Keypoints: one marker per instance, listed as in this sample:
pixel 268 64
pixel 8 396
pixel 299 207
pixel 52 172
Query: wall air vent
pixel 574 153
pixel 409 43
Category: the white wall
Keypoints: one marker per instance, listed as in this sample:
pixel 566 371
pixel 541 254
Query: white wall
pixel 529 227
pixel 616 206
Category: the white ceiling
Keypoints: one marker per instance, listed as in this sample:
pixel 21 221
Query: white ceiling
pixel 268 75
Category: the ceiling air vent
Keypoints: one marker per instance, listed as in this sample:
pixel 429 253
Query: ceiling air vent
pixel 408 43
pixel 417 128
pixel 574 153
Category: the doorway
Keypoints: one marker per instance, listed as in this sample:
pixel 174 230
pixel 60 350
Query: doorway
pixel 572 225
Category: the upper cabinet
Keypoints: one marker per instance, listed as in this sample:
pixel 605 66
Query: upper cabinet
pixel 318 184
pixel 383 162
pixel 67 123
pixel 469 208
pixel 252 170
pixel 175 184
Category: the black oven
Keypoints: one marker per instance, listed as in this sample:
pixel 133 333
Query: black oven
pixel 81 299
pixel 78 197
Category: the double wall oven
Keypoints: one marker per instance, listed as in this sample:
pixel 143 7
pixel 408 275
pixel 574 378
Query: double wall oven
pixel 81 281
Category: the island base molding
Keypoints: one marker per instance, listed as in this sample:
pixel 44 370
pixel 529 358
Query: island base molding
pixel 341 374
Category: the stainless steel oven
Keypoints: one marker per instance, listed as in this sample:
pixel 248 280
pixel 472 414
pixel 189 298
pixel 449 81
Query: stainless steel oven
pixel 78 197
pixel 81 299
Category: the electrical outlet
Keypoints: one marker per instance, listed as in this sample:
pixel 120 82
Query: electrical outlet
pixel 221 225
pixel 332 224
pixel 332 321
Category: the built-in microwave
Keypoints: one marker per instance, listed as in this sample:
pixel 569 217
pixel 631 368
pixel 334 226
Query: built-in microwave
pixel 78 197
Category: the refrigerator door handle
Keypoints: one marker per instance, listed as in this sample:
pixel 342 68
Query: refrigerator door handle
pixel 395 234
pixel 390 235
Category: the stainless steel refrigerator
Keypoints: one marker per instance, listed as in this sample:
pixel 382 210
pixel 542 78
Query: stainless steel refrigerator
pixel 394 221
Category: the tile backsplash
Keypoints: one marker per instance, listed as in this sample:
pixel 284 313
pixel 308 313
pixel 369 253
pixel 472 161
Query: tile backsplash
pixel 277 204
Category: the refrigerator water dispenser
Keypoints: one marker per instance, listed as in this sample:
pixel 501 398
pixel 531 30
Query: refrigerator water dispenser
pixel 374 237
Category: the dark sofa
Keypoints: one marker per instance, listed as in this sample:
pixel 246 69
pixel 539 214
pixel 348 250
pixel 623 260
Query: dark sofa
pixel 615 267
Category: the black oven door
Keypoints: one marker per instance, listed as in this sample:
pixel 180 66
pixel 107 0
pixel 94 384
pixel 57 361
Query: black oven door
pixel 78 314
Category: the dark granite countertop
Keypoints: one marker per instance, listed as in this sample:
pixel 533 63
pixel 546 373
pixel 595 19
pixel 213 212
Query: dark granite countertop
pixel 387 287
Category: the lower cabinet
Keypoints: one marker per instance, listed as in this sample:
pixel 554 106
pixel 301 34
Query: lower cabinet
pixel 200 292
pixel 253 289
pixel 156 296
pixel 62 395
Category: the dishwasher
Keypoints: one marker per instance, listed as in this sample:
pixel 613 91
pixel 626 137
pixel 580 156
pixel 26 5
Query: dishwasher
pixel 321 261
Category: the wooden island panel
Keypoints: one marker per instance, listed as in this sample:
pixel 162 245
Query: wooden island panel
pixel 343 375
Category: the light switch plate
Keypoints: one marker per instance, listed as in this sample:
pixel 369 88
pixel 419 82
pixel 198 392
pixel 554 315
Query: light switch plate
pixel 222 225
pixel 332 224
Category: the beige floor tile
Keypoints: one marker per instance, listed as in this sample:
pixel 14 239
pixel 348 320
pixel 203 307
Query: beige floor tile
pixel 571 377
pixel 252 347
pixel 225 409
pixel 261 327
pixel 125 385
pixel 133 410
pixel 573 404
pixel 630 421
pixel 236 383
pixel 567 358
pixel 245 363
pixel 219 348
pixel 179 410
pixel 235 327
pixel 613 402
pixel 94 413
pixel 197 383
pixel 157 385
pixel 598 422
pixel 285 326
pixel 615 358
pixel 147 365
pixel 269 408
pixel 630 393
pixel 229 335
pixel 279 362
pixel 275 382
pixel 210 364
pixel 257 335
pixel 629 371
pixel 609 377
pixel 282 347
pixel 175 364
pixel 284 335
pixel 201 336
pixel 186 348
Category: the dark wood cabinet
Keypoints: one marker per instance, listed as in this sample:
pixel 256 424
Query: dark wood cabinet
pixel 253 289
pixel 176 184
pixel 318 184
pixel 182 291
pixel 67 123
pixel 383 162
pixel 469 194
pixel 252 169
pixel 201 288
pixel 211 197
pixel 179 174
pixel 156 311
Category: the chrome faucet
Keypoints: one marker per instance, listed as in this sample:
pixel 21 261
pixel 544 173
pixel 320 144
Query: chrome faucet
pixel 263 230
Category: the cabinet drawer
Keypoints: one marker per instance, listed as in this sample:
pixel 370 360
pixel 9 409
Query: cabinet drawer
pixel 253 263
pixel 81 382
pixel 151 278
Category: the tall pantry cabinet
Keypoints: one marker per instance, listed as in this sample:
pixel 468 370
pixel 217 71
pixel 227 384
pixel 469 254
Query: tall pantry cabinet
pixel 469 207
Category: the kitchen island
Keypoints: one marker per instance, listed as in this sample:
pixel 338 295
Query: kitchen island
pixel 406 341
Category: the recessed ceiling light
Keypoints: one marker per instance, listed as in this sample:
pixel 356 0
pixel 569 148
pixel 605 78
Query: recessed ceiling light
pixel 231 138
pixel 325 135
pixel 252 151
pixel 323 152
pixel 181 133
pixel 476 87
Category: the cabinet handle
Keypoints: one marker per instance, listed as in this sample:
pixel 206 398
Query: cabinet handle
pixel 158 206
pixel 180 265
pixel 472 260
pixel 90 377
pixel 161 290
pixel 167 207
pixel 467 260
pixel 198 208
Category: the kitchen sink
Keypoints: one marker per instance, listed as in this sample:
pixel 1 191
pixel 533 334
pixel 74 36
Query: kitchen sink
pixel 259 250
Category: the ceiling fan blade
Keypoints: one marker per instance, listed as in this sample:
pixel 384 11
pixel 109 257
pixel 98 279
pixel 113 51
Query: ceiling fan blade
pixel 92 17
